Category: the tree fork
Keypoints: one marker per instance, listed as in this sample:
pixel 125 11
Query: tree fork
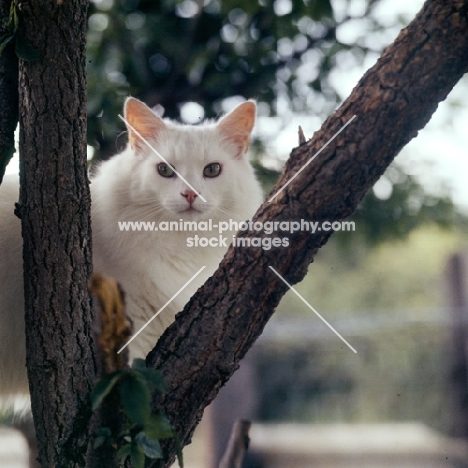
pixel 392 102
pixel 54 210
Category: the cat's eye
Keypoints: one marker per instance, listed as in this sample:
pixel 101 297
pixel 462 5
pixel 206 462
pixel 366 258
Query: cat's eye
pixel 165 170
pixel 212 170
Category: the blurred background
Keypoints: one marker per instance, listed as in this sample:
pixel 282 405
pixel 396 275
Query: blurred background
pixel 395 288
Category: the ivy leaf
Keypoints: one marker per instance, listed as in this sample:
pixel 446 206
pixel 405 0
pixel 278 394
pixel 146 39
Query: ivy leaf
pixel 11 28
pixel 137 457
pixel 102 435
pixel 158 427
pixel 154 379
pixel 124 451
pixel 13 18
pixel 98 441
pixel 138 363
pixel 135 398
pixel 178 447
pixel 103 387
pixel 4 41
pixel 150 447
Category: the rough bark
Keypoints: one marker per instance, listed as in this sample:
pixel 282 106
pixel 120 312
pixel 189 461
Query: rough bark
pixel 392 102
pixel 8 92
pixel 54 210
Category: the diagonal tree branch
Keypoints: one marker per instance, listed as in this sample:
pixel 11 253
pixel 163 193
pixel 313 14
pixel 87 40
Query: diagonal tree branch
pixel 392 102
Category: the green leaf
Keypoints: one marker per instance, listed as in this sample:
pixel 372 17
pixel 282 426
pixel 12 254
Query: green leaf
pixel 13 18
pixel 137 457
pixel 150 447
pixel 135 398
pixel 124 451
pixel 152 376
pixel 102 435
pixel 158 427
pixel 11 28
pixel 104 431
pixel 25 50
pixel 138 363
pixel 178 447
pixel 98 441
pixel 154 379
pixel 103 387
pixel 4 41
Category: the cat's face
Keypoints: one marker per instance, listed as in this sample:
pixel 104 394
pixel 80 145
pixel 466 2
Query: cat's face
pixel 192 172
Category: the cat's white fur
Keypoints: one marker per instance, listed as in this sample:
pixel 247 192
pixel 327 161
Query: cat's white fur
pixel 151 266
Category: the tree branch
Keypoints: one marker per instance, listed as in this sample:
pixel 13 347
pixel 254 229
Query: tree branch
pixel 237 445
pixel 392 102
pixel 55 217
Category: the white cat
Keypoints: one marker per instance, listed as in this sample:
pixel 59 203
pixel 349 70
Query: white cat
pixel 137 185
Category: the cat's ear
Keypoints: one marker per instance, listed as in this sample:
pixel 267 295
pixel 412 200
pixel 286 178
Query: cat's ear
pixel 141 122
pixel 237 126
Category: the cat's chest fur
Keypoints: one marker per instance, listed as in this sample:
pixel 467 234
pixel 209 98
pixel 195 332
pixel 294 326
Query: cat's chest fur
pixel 161 271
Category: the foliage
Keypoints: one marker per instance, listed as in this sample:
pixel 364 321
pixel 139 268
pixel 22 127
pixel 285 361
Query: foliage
pixel 397 205
pixel 282 53
pixel 142 430
pixel 169 52
pixel 11 28
pixel 392 276
pixel 24 50
pixel 401 374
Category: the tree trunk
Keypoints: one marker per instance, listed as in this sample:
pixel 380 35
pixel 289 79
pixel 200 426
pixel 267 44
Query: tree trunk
pixel 54 210
pixel 392 102
pixel 8 92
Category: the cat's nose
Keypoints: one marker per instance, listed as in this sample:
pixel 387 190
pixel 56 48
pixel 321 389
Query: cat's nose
pixel 190 195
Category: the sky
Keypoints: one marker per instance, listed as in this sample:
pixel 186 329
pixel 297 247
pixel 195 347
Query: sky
pixel 438 156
